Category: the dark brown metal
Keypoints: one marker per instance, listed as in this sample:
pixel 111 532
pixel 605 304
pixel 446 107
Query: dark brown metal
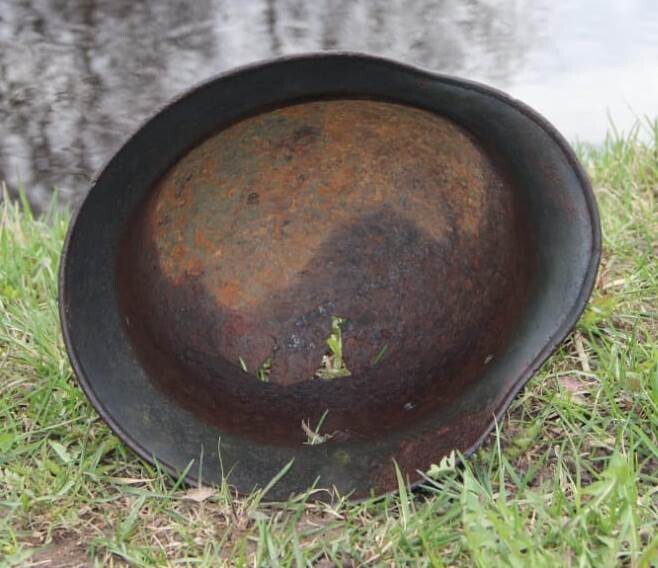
pixel 418 228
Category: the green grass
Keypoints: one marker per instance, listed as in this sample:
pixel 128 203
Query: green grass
pixel 570 478
pixel 333 363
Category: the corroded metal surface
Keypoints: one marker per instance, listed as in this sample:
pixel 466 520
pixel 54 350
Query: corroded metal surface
pixel 386 215
pixel 459 242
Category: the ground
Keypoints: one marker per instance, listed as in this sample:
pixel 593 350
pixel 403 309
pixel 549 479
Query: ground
pixel 570 477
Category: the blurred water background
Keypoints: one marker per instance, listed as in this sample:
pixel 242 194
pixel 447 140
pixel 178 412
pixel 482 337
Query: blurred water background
pixel 76 76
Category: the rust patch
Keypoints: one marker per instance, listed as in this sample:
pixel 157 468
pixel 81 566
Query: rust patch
pixel 304 170
pixel 387 215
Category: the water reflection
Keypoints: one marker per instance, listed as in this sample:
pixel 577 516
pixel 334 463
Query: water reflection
pixel 76 76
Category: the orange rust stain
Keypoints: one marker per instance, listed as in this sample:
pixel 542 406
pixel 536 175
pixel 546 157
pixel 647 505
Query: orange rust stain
pixel 175 263
pixel 194 268
pixel 202 241
pixel 228 293
pixel 312 167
